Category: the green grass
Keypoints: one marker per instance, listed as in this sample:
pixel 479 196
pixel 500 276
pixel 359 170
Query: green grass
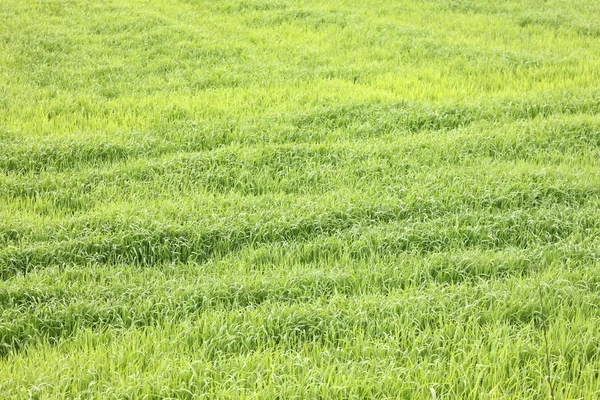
pixel 299 199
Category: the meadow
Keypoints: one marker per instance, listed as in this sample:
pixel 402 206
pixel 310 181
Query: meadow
pixel 270 199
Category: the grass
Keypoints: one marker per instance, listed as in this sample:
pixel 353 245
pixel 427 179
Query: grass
pixel 306 199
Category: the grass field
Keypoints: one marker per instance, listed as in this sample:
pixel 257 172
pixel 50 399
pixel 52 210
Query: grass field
pixel 300 199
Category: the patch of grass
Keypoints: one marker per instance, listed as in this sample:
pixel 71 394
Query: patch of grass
pixel 310 199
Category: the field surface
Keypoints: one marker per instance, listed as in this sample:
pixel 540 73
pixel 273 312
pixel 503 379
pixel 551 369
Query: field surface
pixel 300 199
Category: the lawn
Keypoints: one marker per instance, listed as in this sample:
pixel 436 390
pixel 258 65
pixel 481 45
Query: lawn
pixel 279 199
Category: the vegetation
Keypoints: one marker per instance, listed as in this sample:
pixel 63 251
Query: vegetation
pixel 300 199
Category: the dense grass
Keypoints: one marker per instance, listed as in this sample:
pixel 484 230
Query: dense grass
pixel 306 199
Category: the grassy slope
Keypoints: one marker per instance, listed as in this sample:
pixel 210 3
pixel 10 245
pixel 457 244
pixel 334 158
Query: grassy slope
pixel 299 199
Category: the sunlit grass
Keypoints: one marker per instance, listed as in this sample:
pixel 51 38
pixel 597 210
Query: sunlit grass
pixel 307 199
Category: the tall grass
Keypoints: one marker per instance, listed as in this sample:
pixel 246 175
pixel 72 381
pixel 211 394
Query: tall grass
pixel 307 199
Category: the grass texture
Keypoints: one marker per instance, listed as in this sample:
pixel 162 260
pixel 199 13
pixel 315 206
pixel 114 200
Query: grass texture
pixel 300 199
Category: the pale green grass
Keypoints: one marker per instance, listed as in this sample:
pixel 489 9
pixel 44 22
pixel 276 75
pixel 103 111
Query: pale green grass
pixel 306 199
